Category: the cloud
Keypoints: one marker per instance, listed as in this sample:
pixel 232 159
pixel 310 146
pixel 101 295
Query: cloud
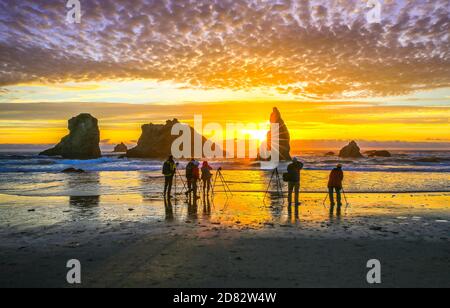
pixel 309 48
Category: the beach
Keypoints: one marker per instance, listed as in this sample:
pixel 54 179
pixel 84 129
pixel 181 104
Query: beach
pixel 118 226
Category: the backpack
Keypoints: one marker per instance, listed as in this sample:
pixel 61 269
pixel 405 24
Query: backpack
pixel 189 170
pixel 167 170
pixel 206 173
pixel 286 177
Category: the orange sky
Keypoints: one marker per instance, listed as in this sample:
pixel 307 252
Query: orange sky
pixel 46 123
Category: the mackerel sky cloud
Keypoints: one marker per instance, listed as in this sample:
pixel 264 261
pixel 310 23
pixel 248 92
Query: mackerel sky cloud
pixel 312 49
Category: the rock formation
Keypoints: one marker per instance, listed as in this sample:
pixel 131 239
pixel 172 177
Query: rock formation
pixel 82 141
pixel 330 154
pixel 284 136
pixel 73 170
pixel 156 141
pixel 378 154
pixel 120 148
pixel 352 150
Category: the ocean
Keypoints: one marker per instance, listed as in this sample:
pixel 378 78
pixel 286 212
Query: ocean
pixel 27 174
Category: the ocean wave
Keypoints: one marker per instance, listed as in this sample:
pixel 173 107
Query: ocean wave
pixel 415 162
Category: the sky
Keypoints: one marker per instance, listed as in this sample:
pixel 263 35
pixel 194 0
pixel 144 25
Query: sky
pixel 333 74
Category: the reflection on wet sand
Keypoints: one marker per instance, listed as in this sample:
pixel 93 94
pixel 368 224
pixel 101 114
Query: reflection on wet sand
pixel 276 206
pixel 338 214
pixel 207 208
pixel 169 210
pixel 193 209
pixel 84 202
pixel 296 217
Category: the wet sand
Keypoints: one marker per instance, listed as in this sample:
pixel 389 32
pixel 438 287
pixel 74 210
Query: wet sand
pixel 130 241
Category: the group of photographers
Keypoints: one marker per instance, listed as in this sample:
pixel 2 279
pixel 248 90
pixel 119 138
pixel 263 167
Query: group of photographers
pixel 194 173
pixel 292 177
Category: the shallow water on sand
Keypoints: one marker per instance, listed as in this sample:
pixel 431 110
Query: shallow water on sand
pixel 150 183
pixel 33 200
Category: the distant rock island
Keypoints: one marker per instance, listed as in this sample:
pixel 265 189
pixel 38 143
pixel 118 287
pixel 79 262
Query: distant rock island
pixel 156 141
pixel 378 154
pixel 284 136
pixel 120 148
pixel 352 150
pixel 82 141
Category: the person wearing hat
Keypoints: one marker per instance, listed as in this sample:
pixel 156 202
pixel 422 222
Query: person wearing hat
pixel 335 185
pixel 294 180
pixel 169 170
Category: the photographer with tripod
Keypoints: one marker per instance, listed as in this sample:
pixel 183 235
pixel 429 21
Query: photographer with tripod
pixel 293 179
pixel 192 177
pixel 169 171
pixel 335 185
pixel 206 178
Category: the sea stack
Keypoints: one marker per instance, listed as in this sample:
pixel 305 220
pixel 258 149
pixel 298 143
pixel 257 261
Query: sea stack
pixel 156 141
pixel 82 141
pixel 352 150
pixel 120 148
pixel 378 153
pixel 284 136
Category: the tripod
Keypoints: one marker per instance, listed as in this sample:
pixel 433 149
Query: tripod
pixel 275 177
pixel 226 188
pixel 347 205
pixel 178 174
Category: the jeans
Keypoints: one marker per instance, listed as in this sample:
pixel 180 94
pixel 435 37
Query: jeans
pixel 294 187
pixel 331 191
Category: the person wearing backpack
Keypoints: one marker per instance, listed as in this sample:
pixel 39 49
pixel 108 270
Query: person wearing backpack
pixel 169 169
pixel 206 177
pixel 189 175
pixel 293 177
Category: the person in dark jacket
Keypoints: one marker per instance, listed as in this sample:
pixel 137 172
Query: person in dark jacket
pixel 206 178
pixel 189 175
pixel 335 185
pixel 169 169
pixel 294 181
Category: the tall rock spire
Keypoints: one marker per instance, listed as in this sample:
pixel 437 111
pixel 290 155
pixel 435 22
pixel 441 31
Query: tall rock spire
pixel 283 136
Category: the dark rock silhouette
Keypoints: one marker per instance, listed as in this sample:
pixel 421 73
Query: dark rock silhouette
pixel 73 170
pixel 330 154
pixel 82 141
pixel 284 136
pixel 378 154
pixel 120 148
pixel 156 141
pixel 352 150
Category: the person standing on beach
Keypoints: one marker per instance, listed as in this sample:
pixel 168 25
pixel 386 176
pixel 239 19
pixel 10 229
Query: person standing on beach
pixel 189 175
pixel 335 185
pixel 169 169
pixel 195 178
pixel 294 180
pixel 206 177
